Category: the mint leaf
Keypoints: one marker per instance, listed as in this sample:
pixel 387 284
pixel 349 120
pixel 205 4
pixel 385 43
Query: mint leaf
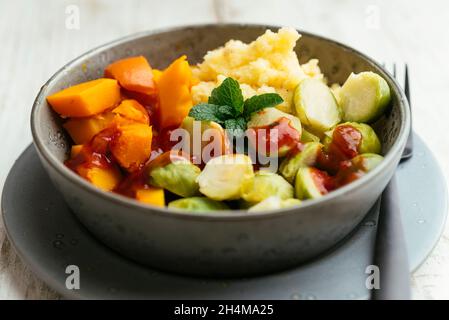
pixel 211 112
pixel 261 101
pixel 228 93
pixel 236 126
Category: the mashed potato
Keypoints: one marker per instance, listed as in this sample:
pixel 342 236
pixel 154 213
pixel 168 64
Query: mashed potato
pixel 268 64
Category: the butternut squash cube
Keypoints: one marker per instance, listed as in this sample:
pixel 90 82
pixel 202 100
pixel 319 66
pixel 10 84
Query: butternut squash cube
pixel 82 130
pixel 132 110
pixel 76 149
pixel 174 93
pixel 132 147
pixel 133 74
pixel 106 178
pixel 154 196
pixel 86 99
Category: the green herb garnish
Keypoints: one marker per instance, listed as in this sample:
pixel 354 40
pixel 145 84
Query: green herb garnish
pixel 227 107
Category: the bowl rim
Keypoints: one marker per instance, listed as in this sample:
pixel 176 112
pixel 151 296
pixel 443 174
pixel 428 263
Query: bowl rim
pixel 238 214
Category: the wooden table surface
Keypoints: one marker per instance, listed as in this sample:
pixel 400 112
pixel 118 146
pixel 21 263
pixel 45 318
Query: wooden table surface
pixel 38 37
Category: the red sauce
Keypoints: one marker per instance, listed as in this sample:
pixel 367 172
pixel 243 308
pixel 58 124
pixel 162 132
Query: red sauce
pixel 275 136
pixel 344 146
pixel 323 181
pixel 95 153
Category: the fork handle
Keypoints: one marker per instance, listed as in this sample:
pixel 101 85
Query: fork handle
pixel 391 251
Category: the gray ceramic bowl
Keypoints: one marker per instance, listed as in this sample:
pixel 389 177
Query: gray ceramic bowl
pixel 232 243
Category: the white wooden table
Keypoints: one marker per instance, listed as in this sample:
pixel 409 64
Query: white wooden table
pixel 38 37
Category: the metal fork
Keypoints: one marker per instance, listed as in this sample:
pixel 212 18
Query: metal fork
pixel 391 252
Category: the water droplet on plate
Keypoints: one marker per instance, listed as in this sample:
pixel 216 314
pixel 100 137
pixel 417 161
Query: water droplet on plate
pixel 295 296
pixel 421 221
pixel 58 244
pixel 310 297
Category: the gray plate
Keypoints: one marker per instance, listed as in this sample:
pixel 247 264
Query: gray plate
pixel 48 238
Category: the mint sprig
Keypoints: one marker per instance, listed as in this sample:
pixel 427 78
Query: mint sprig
pixel 227 107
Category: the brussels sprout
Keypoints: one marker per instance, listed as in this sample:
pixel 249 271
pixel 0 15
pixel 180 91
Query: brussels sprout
pixel 311 183
pixel 307 136
pixel 316 105
pixel 264 185
pixel 200 204
pixel 357 167
pixel 306 158
pixel 370 142
pixel 288 126
pixel 223 177
pixel 367 161
pixel 178 177
pixel 364 97
pixel 274 202
pixel 202 135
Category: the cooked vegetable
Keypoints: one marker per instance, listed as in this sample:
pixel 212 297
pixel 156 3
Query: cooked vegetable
pixel 273 203
pixel 279 129
pixel 178 177
pixel 133 74
pixel 76 148
pixel 316 105
pixel 132 146
pixel 266 184
pixel 369 142
pixel 215 142
pixel 223 177
pixel 154 196
pixel 307 157
pixel 311 183
pixel 307 136
pixel 86 99
pixel 364 97
pixel 105 178
pixel 82 130
pixel 174 93
pixel 198 204
pixel 131 110
pixel 367 161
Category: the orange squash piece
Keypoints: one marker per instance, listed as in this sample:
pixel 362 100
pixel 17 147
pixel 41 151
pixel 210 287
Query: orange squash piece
pixel 75 150
pixel 82 130
pixel 106 178
pixel 132 147
pixel 174 93
pixel 156 75
pixel 132 110
pixel 133 74
pixel 154 196
pixel 86 99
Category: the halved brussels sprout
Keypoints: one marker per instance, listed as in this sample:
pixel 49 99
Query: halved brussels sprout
pixel 367 161
pixel 311 183
pixel 288 130
pixel 364 97
pixel 199 204
pixel 357 167
pixel 223 177
pixel 178 177
pixel 308 136
pixel 316 105
pixel 306 158
pixel 370 141
pixel 207 139
pixel 274 203
pixel 266 184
